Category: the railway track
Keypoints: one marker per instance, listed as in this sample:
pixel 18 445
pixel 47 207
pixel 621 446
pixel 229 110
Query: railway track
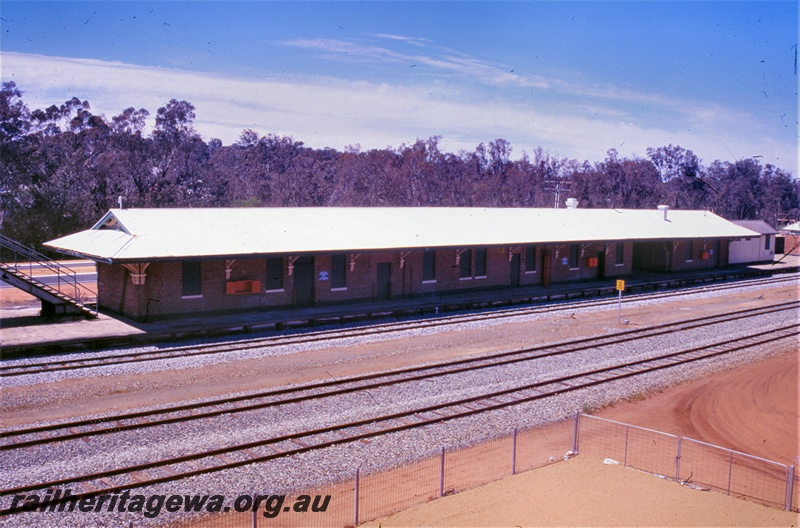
pixel 48 434
pixel 214 460
pixel 39 367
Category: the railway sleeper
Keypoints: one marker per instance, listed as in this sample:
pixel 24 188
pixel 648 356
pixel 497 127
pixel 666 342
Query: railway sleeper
pixel 558 385
pixel 225 459
pixel 107 482
pixel 168 471
pixel 404 421
pixel 139 477
pixel 596 377
pixel 87 487
pixel 195 464
pixel 248 454
pixel 472 406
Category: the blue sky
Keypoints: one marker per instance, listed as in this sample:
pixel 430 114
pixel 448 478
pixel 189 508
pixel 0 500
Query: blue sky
pixel 574 78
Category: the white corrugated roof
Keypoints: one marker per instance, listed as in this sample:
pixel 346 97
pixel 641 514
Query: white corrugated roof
pixel 759 226
pixel 148 234
pixel 792 228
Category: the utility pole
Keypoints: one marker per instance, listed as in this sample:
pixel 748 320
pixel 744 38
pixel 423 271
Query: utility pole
pixel 558 186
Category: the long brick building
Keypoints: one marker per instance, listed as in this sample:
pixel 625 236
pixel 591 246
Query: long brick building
pixel 157 262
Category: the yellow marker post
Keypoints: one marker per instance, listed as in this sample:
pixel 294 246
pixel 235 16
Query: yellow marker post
pixel 620 287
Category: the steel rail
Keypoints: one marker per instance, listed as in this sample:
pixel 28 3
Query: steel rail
pixel 376 379
pixel 384 328
pixel 490 403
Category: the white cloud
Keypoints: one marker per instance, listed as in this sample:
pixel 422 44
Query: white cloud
pixel 327 112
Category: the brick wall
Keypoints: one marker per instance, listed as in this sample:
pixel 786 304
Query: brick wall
pixel 225 284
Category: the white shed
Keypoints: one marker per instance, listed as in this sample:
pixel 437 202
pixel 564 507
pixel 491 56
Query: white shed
pixel 753 249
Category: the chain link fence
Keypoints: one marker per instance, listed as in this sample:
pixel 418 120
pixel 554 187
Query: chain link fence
pixel 690 462
pixel 368 496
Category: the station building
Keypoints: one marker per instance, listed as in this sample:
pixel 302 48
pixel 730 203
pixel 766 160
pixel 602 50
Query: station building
pixel 789 240
pixel 160 262
pixel 759 248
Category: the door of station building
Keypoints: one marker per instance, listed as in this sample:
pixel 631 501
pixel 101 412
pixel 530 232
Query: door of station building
pixel 304 281
pixel 545 268
pixel 383 288
pixel 601 264
pixel 515 269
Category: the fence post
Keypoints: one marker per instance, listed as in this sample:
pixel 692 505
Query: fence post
pixel 575 434
pixel 441 475
pixel 790 489
pixel 355 498
pixel 730 471
pixel 625 456
pixel 514 453
pixel 255 514
pixel 678 462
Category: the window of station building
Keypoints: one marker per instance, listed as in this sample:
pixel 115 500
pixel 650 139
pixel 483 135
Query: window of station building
pixel 274 273
pixel 574 254
pixel 191 278
pixel 530 258
pixel 465 265
pixel 767 241
pixel 619 253
pixel 338 271
pixel 689 249
pixel 429 266
pixel 480 262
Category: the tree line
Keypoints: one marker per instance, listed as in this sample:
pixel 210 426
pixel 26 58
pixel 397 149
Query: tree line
pixel 63 167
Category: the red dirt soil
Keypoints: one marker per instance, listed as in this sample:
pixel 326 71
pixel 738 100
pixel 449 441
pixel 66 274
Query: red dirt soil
pixel 752 409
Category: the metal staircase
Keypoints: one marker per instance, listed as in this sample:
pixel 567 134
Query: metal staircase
pixel 66 296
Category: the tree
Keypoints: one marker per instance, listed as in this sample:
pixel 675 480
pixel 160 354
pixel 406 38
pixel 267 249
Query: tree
pixel 14 115
pixel 737 183
pixel 779 196
pixel 62 166
pixel 683 175
pixel 180 155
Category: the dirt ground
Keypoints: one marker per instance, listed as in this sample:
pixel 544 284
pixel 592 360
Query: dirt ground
pixel 752 409
pixel 585 492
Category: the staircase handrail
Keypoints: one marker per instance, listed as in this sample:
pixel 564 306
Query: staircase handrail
pixel 30 257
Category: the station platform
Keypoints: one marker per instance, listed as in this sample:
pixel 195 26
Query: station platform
pixel 23 332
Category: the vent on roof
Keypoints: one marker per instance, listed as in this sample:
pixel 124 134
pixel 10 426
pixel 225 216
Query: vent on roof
pixel 111 223
pixel 572 203
pixel 664 209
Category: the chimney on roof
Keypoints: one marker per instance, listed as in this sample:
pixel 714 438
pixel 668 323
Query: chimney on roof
pixel 572 203
pixel 664 208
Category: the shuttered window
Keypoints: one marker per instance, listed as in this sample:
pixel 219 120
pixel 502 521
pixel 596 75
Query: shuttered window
pixel 530 258
pixel 274 273
pixel 465 264
pixel 338 271
pixel 480 262
pixel 429 265
pixel 574 254
pixel 619 253
pixel 192 279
